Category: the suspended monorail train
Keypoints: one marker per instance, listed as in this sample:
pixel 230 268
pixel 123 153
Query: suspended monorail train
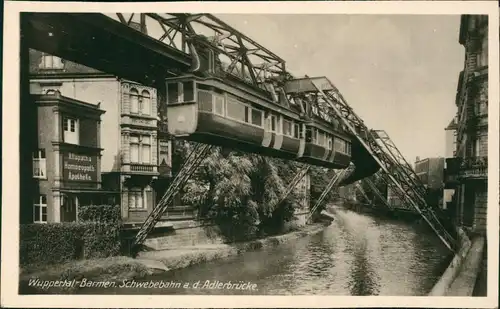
pixel 217 112
pixel 226 111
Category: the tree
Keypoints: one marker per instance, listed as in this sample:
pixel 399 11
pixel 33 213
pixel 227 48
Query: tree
pixel 239 192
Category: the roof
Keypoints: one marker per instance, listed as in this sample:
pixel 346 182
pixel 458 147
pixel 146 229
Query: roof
pixel 452 125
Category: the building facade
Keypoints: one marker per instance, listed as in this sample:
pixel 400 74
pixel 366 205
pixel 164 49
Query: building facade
pixel 430 172
pixel 470 164
pixel 135 157
pixel 449 178
pixel 66 163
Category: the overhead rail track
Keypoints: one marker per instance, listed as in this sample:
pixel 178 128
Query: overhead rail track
pixel 335 103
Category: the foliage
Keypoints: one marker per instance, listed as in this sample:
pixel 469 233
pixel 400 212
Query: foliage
pixel 50 243
pixel 96 235
pixel 320 177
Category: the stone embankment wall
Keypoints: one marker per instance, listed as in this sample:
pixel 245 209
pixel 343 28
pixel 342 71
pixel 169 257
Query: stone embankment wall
pixel 460 277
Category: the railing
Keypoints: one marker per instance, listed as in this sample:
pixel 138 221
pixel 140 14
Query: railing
pixel 142 168
pixel 474 167
pixel 179 212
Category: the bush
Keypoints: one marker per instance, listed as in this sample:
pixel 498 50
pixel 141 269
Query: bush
pixel 50 243
pixel 97 235
pixel 100 213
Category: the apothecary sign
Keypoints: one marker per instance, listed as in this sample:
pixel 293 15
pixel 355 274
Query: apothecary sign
pixel 79 167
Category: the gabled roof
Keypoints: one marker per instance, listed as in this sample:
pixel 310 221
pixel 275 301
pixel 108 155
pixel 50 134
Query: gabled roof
pixel 452 125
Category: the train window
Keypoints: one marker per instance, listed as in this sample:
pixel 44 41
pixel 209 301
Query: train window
pixel 287 127
pixel 256 117
pixel 296 130
pixel 219 104
pixel 205 100
pixel 273 123
pixel 173 92
pixel 188 91
pixel 321 138
pixel 236 110
pixel 330 143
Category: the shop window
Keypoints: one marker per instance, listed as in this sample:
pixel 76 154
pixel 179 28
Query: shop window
pixel 40 209
pixel 137 199
pixel 39 164
pixel 140 149
pixel 70 129
pixel 51 62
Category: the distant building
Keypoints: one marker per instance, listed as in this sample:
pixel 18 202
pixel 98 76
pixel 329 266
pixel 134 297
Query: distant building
pixel 430 172
pixel 449 177
pixel 470 165
pixel 135 157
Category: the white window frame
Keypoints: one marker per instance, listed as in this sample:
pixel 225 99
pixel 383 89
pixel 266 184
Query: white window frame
pixel 140 143
pixel 135 193
pixel 276 125
pixel 249 116
pixel 55 63
pixel 41 206
pixel 76 133
pixel 222 97
pixel 292 127
pixel 40 161
pixel 228 103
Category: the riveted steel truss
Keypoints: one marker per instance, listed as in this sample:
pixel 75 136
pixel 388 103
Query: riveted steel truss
pixel 332 101
pixel 237 54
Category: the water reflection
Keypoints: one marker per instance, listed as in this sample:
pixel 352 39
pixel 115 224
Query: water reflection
pixel 356 255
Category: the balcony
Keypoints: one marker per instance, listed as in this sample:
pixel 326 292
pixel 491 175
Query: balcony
pixel 140 168
pixel 474 168
pixel 173 213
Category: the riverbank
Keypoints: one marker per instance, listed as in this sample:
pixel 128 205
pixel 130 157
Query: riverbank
pixel 461 276
pixel 117 269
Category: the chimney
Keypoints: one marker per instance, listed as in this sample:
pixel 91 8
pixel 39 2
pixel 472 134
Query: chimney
pixel 417 159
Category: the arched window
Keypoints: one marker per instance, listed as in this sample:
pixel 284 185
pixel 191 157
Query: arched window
pixel 146 102
pixel 134 101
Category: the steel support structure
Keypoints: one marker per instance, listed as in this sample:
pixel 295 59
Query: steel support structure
pixel 333 182
pixel 298 176
pixel 194 159
pixel 331 100
pixel 238 56
pixel 386 142
pixel 376 191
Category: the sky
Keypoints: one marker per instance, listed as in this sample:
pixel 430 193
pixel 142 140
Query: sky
pixel 398 73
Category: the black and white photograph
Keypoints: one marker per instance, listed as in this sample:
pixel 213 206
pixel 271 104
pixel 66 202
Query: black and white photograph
pixel 330 153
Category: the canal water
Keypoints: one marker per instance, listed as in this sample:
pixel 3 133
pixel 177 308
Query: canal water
pixel 357 255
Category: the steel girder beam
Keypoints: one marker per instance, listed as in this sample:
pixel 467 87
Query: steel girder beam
pixel 386 142
pixel 239 55
pixel 333 182
pixel 192 162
